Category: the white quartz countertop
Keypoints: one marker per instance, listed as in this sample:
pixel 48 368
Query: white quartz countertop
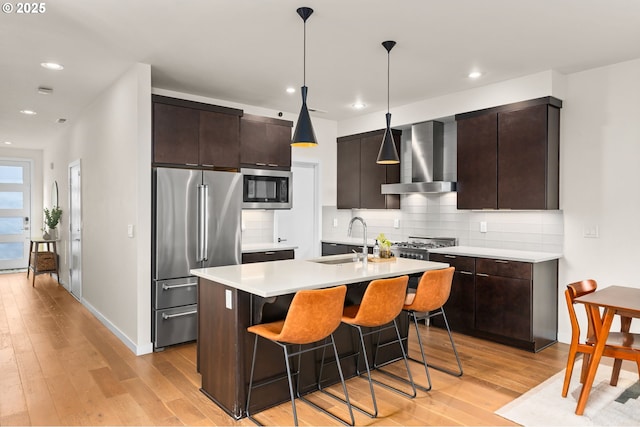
pixel 506 254
pixel 262 247
pixel 269 279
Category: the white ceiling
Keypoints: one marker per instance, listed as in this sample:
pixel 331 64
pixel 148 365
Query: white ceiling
pixel 249 51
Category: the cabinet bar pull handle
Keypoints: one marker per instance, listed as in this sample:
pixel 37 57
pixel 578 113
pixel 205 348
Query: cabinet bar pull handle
pixel 171 316
pixel 261 164
pixel 482 275
pixel 166 287
pixel 273 164
pixel 191 164
pixel 451 256
pixel 501 261
pixel 269 253
pixel 207 166
pixel 465 272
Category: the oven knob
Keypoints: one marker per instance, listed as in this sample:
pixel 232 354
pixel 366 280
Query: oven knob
pixel 420 256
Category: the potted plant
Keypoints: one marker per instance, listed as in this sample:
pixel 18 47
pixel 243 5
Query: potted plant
pixel 51 220
pixel 385 246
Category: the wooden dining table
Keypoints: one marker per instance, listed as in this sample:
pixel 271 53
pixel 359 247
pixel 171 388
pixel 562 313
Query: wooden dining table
pixel 621 300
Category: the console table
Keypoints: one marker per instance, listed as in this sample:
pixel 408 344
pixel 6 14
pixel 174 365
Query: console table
pixel 43 261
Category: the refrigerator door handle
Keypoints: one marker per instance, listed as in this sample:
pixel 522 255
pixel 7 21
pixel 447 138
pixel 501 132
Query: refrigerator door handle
pixel 205 223
pixel 201 222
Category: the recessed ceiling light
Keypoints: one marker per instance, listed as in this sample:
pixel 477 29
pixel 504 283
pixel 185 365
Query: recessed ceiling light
pixel 7 142
pixel 291 90
pixel 359 105
pixel 474 74
pixel 28 112
pixel 52 66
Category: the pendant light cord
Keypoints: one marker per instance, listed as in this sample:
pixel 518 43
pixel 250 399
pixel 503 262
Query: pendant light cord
pixel 388 76
pixel 304 54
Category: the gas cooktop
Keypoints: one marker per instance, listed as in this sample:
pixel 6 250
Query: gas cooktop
pixel 418 247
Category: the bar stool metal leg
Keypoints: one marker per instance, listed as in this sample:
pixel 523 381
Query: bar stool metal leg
pixel 453 345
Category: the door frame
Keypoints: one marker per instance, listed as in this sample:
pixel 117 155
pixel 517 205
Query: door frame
pixel 27 232
pixel 73 164
pixel 317 215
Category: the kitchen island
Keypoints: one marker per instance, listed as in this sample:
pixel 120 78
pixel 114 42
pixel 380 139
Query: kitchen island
pixel 232 298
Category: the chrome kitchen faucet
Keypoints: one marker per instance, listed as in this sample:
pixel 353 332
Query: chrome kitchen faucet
pixel 365 252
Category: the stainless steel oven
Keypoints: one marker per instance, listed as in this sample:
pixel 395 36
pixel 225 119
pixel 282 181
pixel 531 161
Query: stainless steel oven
pixel 266 189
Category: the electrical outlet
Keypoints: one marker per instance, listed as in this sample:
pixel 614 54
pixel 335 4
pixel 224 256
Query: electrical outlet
pixel 396 223
pixel 130 230
pixel 228 303
pixel 335 222
pixel 483 226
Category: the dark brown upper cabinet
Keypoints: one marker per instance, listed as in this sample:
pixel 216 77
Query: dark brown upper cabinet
pixel 360 177
pixel 265 142
pixel 187 133
pixel 508 156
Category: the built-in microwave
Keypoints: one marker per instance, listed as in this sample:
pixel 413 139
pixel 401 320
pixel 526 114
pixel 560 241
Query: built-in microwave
pixel 266 189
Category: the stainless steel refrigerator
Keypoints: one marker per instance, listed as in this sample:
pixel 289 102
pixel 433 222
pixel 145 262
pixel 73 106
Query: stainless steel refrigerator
pixel 196 223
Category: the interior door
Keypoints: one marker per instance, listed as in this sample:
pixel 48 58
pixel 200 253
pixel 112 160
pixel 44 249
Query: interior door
pixel 15 213
pixel 299 225
pixel 75 230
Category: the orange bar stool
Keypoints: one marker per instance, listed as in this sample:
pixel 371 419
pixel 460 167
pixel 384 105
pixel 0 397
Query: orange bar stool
pixel 428 301
pixel 312 318
pixel 381 303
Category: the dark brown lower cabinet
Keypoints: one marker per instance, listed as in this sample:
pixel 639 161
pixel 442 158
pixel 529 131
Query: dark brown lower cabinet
pixel 460 306
pixel 250 257
pixel 511 302
pixel 340 248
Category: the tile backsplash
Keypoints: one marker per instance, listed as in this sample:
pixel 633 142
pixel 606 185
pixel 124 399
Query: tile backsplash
pixel 431 215
pixel 257 226
pixel 436 215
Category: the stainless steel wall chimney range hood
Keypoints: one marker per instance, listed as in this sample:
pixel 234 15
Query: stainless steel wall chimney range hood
pixel 427 160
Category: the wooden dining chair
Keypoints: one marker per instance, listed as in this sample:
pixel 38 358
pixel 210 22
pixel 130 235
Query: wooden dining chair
pixel 620 345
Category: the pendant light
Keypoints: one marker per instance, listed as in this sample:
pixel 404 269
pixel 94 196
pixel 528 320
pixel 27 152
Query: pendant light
pixel 388 155
pixel 304 136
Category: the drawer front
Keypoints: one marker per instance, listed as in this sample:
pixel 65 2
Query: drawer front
pixel 461 263
pixel 504 268
pixel 251 257
pixel 176 292
pixel 176 325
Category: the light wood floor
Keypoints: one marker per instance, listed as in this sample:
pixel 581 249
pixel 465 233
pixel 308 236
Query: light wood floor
pixel 60 366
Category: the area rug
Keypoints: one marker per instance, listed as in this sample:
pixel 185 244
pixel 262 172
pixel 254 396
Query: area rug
pixel 607 405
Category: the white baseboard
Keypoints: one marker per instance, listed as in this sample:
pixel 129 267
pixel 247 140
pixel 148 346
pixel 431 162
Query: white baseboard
pixel 144 348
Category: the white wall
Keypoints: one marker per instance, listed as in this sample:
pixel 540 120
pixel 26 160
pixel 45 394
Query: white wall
pixel 112 138
pixel 600 148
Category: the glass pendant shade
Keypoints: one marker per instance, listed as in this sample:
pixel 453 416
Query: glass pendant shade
pixel 388 155
pixel 304 136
